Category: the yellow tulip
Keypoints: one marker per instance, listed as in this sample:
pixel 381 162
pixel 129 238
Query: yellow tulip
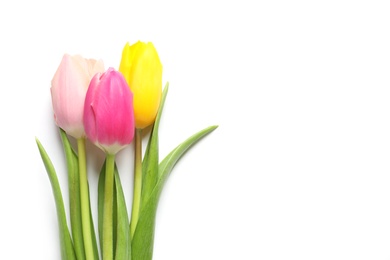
pixel 142 69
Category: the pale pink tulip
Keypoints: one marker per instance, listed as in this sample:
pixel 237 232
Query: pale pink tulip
pixel 68 89
pixel 108 112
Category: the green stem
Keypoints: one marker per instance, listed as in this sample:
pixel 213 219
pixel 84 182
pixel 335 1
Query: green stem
pixel 137 181
pixel 84 198
pixel 108 248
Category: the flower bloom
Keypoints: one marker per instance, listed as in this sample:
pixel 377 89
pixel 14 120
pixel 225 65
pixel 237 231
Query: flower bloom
pixel 68 88
pixel 142 69
pixel 108 112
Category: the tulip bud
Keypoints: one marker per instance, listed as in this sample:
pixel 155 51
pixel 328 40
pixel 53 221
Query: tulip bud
pixel 142 70
pixel 108 112
pixel 68 89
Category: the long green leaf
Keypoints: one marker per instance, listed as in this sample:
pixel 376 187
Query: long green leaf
pixel 74 201
pixel 122 222
pixel 93 233
pixel 120 217
pixel 101 185
pixel 151 157
pixel 159 112
pixel 67 250
pixel 74 196
pixel 166 166
pixel 142 244
pixel 102 177
pixel 150 164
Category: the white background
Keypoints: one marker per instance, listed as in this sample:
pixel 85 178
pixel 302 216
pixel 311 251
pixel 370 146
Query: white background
pixel 299 167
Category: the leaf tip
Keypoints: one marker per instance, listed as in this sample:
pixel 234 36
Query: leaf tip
pixel 37 141
pixel 165 90
pixel 213 127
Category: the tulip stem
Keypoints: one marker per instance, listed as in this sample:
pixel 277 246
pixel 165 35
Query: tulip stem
pixel 108 248
pixel 84 200
pixel 137 181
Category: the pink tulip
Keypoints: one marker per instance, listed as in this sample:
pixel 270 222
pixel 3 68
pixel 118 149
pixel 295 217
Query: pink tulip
pixel 68 89
pixel 108 112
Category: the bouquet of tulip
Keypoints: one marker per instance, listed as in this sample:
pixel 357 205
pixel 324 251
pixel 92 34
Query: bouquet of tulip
pixel 111 108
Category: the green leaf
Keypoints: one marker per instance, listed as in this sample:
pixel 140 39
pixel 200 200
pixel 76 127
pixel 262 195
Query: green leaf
pixel 142 244
pixel 166 166
pixel 75 202
pixel 122 222
pixel 120 217
pixel 74 196
pixel 67 250
pixel 102 176
pixel 150 163
pixel 93 233
pixel 101 189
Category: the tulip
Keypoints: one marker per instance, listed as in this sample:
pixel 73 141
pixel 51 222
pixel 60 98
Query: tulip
pixel 109 123
pixel 108 112
pixel 142 70
pixel 68 89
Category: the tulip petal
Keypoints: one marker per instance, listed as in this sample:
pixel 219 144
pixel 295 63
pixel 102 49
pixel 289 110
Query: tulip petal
pixel 142 68
pixel 108 112
pixel 68 90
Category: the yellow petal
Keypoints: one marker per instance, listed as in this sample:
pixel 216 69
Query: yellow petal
pixel 142 69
